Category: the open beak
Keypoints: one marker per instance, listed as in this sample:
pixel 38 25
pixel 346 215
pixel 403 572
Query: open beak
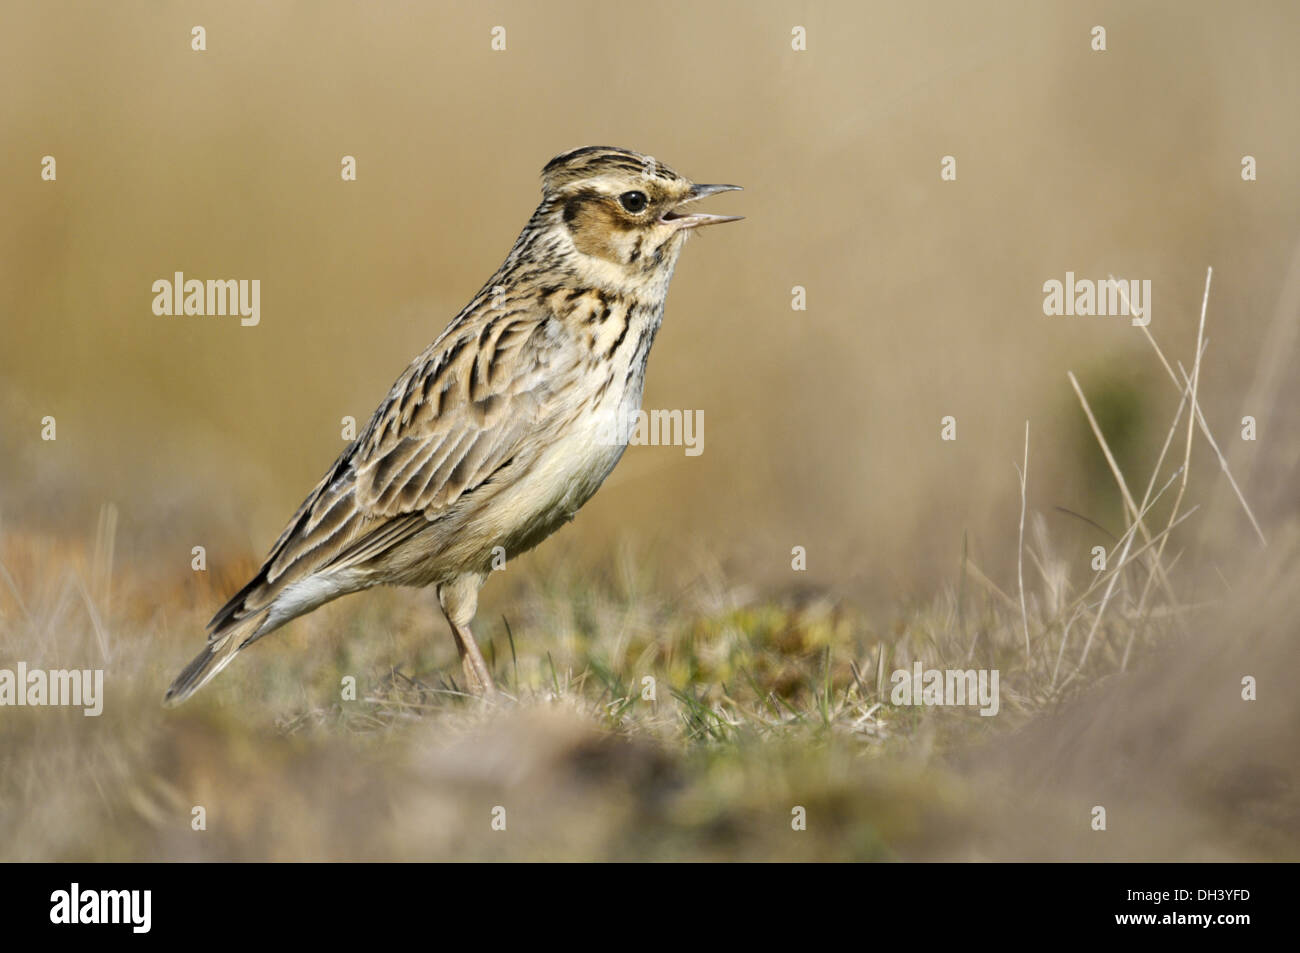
pixel 681 219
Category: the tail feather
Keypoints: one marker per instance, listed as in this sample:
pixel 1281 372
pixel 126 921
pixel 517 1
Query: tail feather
pixel 220 651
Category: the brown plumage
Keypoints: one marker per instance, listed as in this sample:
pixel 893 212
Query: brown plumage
pixel 491 437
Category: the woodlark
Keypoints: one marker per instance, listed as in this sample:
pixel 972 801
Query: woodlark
pixel 499 431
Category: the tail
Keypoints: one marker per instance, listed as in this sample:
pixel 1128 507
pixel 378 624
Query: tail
pixel 223 645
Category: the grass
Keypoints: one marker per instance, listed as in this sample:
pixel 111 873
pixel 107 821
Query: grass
pixel 648 714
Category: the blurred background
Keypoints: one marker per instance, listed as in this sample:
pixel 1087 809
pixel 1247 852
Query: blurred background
pixel 924 297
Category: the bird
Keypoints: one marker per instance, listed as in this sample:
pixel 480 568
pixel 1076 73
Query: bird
pixel 497 433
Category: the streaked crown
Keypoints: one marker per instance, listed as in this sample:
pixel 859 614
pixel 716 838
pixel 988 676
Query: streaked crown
pixel 594 162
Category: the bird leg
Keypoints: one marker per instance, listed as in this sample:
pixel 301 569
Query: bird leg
pixel 476 670
pixel 459 601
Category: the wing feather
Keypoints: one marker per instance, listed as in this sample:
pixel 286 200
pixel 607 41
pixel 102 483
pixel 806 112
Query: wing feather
pixel 462 413
pixel 456 421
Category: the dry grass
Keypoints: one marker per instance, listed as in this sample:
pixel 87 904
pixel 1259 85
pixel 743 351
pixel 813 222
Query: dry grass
pixel 760 704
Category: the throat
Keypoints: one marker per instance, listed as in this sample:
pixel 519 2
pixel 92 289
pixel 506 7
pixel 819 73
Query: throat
pixel 612 329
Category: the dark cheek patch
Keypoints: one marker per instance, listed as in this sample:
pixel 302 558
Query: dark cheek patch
pixel 592 225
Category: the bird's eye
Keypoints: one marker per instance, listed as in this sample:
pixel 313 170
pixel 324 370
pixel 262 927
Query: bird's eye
pixel 633 201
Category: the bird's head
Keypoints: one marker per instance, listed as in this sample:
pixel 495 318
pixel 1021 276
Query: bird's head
pixel 626 215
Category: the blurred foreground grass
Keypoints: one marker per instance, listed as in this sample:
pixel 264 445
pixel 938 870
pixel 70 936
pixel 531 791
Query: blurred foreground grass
pixel 761 705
